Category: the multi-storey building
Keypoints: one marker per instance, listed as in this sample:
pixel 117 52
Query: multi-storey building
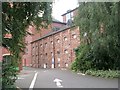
pixel 56 48
pixel 34 34
pixel 53 46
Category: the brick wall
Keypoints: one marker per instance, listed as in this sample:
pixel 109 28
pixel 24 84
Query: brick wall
pixel 36 34
pixel 26 58
pixel 64 18
pixel 59 46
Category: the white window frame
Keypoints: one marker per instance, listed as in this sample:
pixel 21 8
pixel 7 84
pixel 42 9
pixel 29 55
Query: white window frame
pixel 66 51
pixel 65 38
pixel 58 40
pixel 74 36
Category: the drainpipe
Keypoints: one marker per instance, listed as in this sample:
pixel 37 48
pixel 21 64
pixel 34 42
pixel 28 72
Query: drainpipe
pixel 38 56
pixel 53 52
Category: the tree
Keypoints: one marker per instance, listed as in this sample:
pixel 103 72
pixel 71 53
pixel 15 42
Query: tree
pixel 100 34
pixel 16 16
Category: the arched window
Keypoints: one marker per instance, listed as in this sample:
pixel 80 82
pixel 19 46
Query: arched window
pixel 6 58
pixel 46 44
pixel 66 51
pixel 74 36
pixel 51 42
pixel 58 40
pixel 65 38
pixel 40 45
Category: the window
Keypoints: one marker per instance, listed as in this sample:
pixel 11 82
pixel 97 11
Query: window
pixel 65 38
pixel 74 36
pixel 52 53
pixel 72 15
pixel 7 59
pixel 58 64
pixel 67 17
pixel 36 46
pixel 58 59
pixel 58 53
pixel 51 42
pixel 41 55
pixel 58 40
pixel 45 44
pixel 66 64
pixel 66 51
pixel 40 45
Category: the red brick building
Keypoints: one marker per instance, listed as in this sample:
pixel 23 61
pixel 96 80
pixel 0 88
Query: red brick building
pixel 56 48
pixel 4 49
pixel 36 34
pixel 70 14
pixel 51 47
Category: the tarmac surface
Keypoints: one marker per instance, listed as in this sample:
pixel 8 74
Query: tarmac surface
pixel 61 78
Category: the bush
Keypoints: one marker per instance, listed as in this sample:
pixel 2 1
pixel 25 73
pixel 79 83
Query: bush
pixel 82 61
pixel 102 73
pixel 9 73
pixel 74 66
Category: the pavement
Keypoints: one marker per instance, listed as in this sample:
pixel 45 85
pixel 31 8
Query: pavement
pixel 61 78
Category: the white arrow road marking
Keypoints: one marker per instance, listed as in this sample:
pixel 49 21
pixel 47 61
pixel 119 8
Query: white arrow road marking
pixel 33 81
pixel 58 82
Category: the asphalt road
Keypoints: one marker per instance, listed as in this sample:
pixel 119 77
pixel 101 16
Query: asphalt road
pixel 57 78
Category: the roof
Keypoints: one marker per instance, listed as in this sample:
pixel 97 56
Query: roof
pixel 69 11
pixel 53 19
pixel 52 33
pixel 57 21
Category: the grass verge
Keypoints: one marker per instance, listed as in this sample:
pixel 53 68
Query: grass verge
pixel 104 74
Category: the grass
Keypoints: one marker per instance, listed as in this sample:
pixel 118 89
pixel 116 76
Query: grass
pixel 104 74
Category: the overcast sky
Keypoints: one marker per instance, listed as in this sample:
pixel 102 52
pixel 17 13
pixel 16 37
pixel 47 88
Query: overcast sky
pixel 61 6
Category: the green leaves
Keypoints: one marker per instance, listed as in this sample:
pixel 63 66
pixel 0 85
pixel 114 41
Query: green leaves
pixel 100 48
pixel 16 17
pixel 102 73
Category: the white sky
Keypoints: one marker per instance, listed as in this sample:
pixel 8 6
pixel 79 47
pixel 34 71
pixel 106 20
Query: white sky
pixel 61 6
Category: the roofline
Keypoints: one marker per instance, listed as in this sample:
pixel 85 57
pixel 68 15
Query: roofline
pixel 59 22
pixel 69 11
pixel 52 33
